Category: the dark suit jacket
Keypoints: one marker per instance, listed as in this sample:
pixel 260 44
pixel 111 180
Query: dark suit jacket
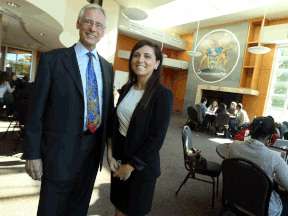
pixel 56 113
pixel 146 133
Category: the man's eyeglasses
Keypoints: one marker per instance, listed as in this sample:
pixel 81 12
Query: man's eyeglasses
pixel 89 23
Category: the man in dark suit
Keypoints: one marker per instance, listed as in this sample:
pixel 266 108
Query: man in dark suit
pixel 66 125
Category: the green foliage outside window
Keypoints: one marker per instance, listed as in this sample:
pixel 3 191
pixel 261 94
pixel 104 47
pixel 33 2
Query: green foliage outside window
pixel 282 77
pixel 284 51
pixel 283 64
pixel 280 89
pixel 278 103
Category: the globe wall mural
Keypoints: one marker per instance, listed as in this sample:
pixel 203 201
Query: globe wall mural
pixel 220 54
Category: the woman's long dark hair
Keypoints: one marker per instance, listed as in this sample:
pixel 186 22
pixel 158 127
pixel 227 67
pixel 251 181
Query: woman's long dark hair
pixel 261 127
pixel 155 79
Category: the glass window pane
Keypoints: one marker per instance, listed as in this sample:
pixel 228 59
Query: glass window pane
pixel 282 64
pixel 276 114
pixel 280 89
pixel 281 77
pixel 19 60
pixel 283 52
pixel 277 103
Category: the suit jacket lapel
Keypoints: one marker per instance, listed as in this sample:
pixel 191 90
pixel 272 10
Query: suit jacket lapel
pixel 71 64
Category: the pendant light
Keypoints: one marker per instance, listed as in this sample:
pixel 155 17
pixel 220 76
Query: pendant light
pixel 164 55
pixel 194 53
pixel 135 14
pixel 260 49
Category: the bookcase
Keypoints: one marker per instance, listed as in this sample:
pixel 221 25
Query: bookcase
pixel 252 62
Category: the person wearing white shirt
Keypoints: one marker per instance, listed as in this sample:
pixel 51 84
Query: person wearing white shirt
pixel 242 120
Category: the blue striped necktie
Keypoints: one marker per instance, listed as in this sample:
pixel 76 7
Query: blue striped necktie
pixel 93 111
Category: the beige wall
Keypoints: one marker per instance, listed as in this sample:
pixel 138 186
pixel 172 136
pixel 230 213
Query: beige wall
pixel 107 46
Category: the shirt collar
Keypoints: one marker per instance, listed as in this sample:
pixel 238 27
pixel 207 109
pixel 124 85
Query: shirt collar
pixel 82 50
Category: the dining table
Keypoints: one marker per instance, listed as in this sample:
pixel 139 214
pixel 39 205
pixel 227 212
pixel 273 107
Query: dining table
pixel 223 150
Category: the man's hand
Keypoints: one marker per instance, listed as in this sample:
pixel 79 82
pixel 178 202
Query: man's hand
pixel 124 172
pixel 34 168
pixel 112 164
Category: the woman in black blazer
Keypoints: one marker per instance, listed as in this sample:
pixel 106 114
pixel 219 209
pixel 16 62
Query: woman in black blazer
pixel 140 123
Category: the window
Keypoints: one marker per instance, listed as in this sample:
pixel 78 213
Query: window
pixel 19 61
pixel 278 95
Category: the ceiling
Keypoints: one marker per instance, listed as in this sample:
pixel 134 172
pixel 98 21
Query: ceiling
pixel 36 22
pixel 176 17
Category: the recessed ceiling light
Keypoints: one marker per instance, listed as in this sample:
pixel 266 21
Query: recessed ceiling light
pixel 42 34
pixel 13 4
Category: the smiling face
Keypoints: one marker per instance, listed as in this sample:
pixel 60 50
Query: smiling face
pixel 144 62
pixel 90 35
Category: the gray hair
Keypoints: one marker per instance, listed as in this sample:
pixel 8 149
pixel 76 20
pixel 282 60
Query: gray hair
pixel 92 6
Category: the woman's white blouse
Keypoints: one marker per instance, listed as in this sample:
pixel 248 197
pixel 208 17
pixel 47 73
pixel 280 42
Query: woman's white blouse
pixel 126 108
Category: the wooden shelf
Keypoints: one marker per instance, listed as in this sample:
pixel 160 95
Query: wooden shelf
pixel 252 44
pixel 248 66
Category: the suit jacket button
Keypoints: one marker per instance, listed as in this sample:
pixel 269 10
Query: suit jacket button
pixel 82 116
pixel 79 136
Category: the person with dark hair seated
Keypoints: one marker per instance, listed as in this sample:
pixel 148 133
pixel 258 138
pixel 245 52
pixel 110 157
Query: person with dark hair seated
pixel 255 150
pixel 202 109
pixel 23 91
pixel 222 107
pixel 241 121
pixel 15 81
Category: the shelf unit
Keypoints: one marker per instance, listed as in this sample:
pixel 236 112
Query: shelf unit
pixel 252 62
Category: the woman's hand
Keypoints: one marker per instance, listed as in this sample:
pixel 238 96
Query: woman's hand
pixel 112 164
pixel 124 172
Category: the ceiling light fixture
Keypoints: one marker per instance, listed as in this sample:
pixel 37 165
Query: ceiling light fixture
pixel 260 49
pixel 13 4
pixel 42 34
pixel 135 13
pixel 194 53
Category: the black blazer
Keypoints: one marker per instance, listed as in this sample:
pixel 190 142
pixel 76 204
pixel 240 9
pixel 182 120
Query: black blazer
pixel 146 133
pixel 55 119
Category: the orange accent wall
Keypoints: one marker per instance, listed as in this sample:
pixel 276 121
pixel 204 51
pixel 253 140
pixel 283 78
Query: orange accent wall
pixel 254 105
pixel 123 43
pixel 179 87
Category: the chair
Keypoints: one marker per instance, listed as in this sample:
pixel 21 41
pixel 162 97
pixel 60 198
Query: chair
pixel 246 188
pixel 11 115
pixel 221 123
pixel 213 169
pixel 286 135
pixel 192 120
pixel 22 109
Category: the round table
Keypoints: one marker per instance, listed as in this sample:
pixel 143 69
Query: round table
pixel 223 150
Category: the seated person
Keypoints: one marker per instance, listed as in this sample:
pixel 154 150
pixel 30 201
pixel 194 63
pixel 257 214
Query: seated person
pixel 232 110
pixel 202 109
pixel 15 81
pixel 241 121
pixel 255 150
pixel 213 107
pixel 23 90
pixel 222 107
pixel 243 135
pixel 4 86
